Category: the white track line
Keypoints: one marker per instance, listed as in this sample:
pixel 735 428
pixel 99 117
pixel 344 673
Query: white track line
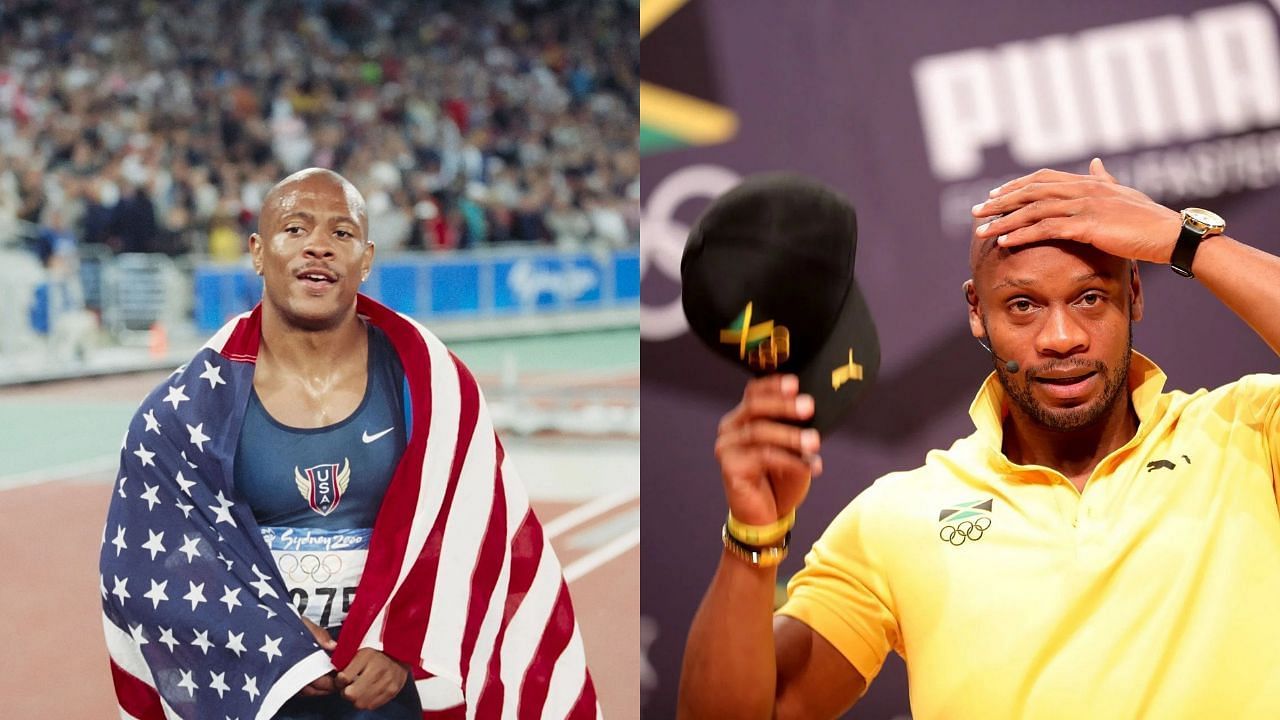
pixel 586 511
pixel 602 555
pixel 103 464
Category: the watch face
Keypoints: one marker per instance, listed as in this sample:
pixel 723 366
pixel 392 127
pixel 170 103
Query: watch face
pixel 1204 220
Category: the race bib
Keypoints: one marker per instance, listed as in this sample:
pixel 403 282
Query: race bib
pixel 321 568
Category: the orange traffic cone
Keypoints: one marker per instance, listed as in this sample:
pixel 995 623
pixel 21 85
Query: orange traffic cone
pixel 158 341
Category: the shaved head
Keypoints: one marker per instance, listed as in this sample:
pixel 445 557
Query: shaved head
pixel 280 200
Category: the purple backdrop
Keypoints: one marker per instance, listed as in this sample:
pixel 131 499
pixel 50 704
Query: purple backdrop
pixel 915 110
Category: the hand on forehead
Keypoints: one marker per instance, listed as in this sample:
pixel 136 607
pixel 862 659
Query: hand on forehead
pixel 980 247
pixel 1092 210
pixel 987 257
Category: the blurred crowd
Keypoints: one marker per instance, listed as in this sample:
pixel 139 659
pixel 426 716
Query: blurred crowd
pixel 160 126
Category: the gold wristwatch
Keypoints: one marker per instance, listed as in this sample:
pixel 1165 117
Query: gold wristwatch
pixel 1197 224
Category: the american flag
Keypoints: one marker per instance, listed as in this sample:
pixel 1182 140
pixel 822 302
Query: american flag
pixel 460 582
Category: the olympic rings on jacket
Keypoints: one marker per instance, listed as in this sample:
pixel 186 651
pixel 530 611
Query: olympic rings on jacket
pixel 957 534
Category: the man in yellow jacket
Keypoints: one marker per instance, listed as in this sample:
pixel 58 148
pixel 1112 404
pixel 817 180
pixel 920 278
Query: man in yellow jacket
pixel 1097 548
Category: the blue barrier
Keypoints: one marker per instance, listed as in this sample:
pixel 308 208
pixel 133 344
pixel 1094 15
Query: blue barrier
pixel 39 314
pixel 482 284
pixel 50 299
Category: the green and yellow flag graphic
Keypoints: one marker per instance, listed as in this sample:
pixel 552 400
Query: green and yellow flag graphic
pixel 679 98
pixel 745 335
pixel 977 508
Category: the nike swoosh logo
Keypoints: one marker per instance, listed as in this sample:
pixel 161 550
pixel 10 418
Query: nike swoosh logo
pixel 370 438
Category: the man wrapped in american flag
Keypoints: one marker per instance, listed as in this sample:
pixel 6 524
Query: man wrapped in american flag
pixel 314 518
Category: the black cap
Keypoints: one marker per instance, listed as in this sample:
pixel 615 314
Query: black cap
pixel 773 258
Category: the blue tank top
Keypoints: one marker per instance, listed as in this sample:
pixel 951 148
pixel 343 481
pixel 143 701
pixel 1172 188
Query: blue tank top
pixel 316 492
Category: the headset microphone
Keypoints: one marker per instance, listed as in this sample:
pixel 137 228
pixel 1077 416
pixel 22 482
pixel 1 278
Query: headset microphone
pixel 1009 365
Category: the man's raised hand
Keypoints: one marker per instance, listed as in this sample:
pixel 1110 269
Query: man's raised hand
pixel 765 462
pixel 1092 209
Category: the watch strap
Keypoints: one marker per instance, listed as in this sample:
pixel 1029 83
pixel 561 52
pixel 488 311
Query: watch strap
pixel 1184 251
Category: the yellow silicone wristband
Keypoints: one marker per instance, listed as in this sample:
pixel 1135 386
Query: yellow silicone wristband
pixel 761 557
pixel 760 535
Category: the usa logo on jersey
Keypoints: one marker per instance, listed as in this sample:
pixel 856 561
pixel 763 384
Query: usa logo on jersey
pixel 323 485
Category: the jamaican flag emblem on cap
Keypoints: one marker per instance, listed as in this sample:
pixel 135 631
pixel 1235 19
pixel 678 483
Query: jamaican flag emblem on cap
pixel 763 346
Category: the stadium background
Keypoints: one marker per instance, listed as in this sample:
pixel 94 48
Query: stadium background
pixel 495 143
pixel 915 109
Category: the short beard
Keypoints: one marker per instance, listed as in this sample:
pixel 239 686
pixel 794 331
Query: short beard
pixel 1115 388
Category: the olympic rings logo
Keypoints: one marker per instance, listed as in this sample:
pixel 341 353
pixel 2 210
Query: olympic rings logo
pixel 310 566
pixel 957 534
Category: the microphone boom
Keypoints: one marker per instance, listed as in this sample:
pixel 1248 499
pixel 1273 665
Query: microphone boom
pixel 1011 366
